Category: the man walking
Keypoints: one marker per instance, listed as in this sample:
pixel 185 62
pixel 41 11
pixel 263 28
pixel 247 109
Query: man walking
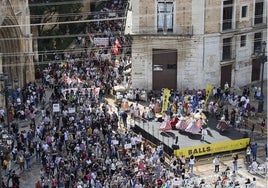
pixel 27 160
pixel 203 134
pixel 254 151
pixel 216 162
pixel 248 154
pixel 124 118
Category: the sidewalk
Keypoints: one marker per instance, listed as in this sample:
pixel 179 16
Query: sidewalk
pixel 24 125
pixel 206 171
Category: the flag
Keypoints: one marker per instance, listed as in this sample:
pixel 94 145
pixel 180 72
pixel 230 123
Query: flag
pixel 115 50
pixel 208 92
pixel 117 43
pixel 166 94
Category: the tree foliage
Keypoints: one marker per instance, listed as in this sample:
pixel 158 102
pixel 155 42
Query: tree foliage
pixel 53 12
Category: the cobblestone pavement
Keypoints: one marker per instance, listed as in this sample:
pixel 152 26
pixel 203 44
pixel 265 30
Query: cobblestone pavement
pixel 206 171
pixel 30 177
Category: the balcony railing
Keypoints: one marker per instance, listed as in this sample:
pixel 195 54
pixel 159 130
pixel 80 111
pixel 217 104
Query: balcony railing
pixel 259 20
pixel 227 25
pixel 228 56
pixel 178 30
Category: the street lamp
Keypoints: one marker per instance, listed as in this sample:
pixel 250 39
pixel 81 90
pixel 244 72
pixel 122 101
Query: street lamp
pixel 262 59
pixel 6 92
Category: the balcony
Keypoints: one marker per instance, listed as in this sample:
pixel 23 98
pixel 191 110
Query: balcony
pixel 227 26
pixel 228 57
pixel 176 31
pixel 258 21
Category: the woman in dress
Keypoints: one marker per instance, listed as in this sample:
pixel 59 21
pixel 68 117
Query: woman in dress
pixel 192 127
pixel 174 120
pixel 165 125
pixel 200 122
pixel 181 124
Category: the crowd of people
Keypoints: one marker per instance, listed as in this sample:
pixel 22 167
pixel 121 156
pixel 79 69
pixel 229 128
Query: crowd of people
pixel 80 144
pixel 79 141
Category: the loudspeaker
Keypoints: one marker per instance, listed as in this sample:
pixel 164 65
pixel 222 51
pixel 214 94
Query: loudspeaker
pixel 176 140
pixel 175 147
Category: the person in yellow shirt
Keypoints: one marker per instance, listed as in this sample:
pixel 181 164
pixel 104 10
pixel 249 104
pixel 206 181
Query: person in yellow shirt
pixel 89 131
pixel 6 166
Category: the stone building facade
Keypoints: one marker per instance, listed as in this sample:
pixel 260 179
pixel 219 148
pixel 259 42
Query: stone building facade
pixel 16 57
pixel 183 44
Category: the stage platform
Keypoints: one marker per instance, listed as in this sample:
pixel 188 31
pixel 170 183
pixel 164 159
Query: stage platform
pixel 175 139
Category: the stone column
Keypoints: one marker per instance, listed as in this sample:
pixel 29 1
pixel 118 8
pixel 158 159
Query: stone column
pixel 2 98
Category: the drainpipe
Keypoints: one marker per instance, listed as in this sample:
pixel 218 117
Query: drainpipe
pixel 204 34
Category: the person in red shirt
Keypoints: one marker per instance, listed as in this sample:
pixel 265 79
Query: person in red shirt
pixel 159 182
pixel 224 179
pixel 141 165
pixel 53 182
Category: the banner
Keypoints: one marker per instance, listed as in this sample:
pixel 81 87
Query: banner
pixel 99 41
pixel 219 147
pixel 127 146
pixel 115 142
pixel 166 94
pixel 56 107
pixel 71 110
pixel 208 92
pixel 95 90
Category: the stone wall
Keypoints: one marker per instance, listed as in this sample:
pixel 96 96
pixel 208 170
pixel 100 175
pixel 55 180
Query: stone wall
pixel 200 55
pixel 16 48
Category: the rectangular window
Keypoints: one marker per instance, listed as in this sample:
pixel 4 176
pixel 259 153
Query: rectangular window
pixel 257 42
pixel 227 2
pixel 258 13
pixel 243 40
pixel 244 11
pixel 227 15
pixel 165 17
pixel 226 49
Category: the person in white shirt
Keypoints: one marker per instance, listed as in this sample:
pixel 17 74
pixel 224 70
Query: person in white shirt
pixel 2 114
pixel 203 134
pixel 253 183
pixel 216 162
pixel 45 147
pixel 65 112
pixel 133 141
pixel 77 148
pixel 183 160
pixel 177 182
pixel 253 167
pixel 191 164
pixel 248 154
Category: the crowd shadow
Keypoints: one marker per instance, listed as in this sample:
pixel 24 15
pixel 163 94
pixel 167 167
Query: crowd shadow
pixel 210 133
pixel 168 134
